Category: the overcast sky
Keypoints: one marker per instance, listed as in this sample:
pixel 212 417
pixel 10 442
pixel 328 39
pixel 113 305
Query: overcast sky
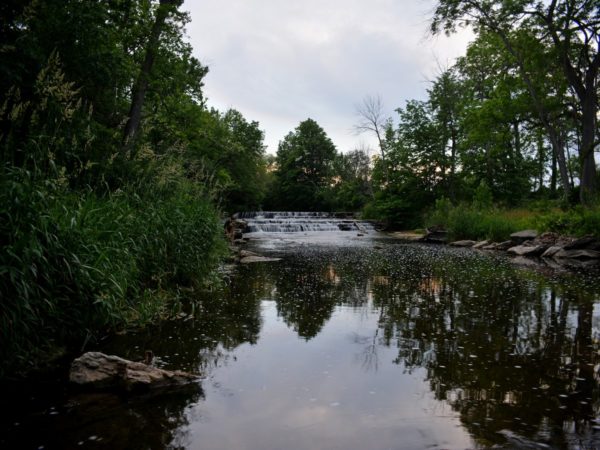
pixel 282 61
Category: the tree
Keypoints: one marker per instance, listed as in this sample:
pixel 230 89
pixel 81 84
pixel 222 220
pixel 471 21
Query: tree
pixel 165 9
pixel 304 173
pixel 352 189
pixel 445 98
pixel 372 120
pixel 573 29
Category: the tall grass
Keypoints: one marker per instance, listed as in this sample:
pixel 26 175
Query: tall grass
pixel 477 222
pixel 74 265
pixel 474 221
pixel 577 221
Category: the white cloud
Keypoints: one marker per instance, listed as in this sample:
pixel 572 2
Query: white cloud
pixel 280 62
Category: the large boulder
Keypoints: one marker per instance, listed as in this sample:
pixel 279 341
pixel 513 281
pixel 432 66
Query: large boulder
pixel 101 371
pixel 523 236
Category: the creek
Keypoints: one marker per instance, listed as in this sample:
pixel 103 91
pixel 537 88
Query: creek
pixel 352 342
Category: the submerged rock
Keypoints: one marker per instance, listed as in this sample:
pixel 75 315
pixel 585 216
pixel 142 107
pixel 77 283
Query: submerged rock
pixel 100 371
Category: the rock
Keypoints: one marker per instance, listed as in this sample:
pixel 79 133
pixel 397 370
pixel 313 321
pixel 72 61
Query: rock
pixel 527 250
pixel 437 235
pixel 585 242
pixel 359 234
pixel 99 371
pixel 407 235
pixel 491 246
pixel 240 224
pixel 238 234
pixel 503 246
pixel 521 236
pixel 577 254
pixel 246 253
pixel 257 258
pixel 551 251
pixel 548 238
pixel 481 244
pixel 346 226
pixel 464 243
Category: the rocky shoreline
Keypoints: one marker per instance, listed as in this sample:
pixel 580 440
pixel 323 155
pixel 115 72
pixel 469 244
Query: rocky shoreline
pixel 528 243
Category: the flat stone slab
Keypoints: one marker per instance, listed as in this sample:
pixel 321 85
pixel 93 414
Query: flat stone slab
pixel 257 259
pixel 464 243
pixel 407 235
pixel 521 236
pixel 101 371
pixel 503 246
pixel 527 250
pixel 481 244
pixel 551 251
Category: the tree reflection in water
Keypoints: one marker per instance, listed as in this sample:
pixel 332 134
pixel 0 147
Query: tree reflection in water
pixel 511 349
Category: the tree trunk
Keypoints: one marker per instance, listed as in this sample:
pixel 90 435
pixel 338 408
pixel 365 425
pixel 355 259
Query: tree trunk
pixel 141 85
pixel 587 160
pixel 453 165
pixel 541 161
pixel 558 149
pixel 553 176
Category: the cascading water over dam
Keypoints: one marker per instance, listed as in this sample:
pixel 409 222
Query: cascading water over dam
pixel 294 222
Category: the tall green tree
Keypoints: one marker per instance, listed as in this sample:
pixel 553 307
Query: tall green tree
pixel 304 175
pixel 573 29
pixel 352 181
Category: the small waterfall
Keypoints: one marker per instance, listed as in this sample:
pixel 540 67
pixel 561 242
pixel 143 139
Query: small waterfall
pixel 294 222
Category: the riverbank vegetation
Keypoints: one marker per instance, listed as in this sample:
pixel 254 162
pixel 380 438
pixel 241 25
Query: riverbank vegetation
pixel 113 172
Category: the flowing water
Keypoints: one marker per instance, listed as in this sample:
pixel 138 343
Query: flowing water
pixel 352 342
pixel 296 222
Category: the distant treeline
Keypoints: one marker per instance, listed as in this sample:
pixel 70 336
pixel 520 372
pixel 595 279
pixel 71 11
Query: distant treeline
pixel 514 120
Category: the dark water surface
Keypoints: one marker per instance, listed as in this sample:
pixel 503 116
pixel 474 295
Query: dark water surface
pixel 361 345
